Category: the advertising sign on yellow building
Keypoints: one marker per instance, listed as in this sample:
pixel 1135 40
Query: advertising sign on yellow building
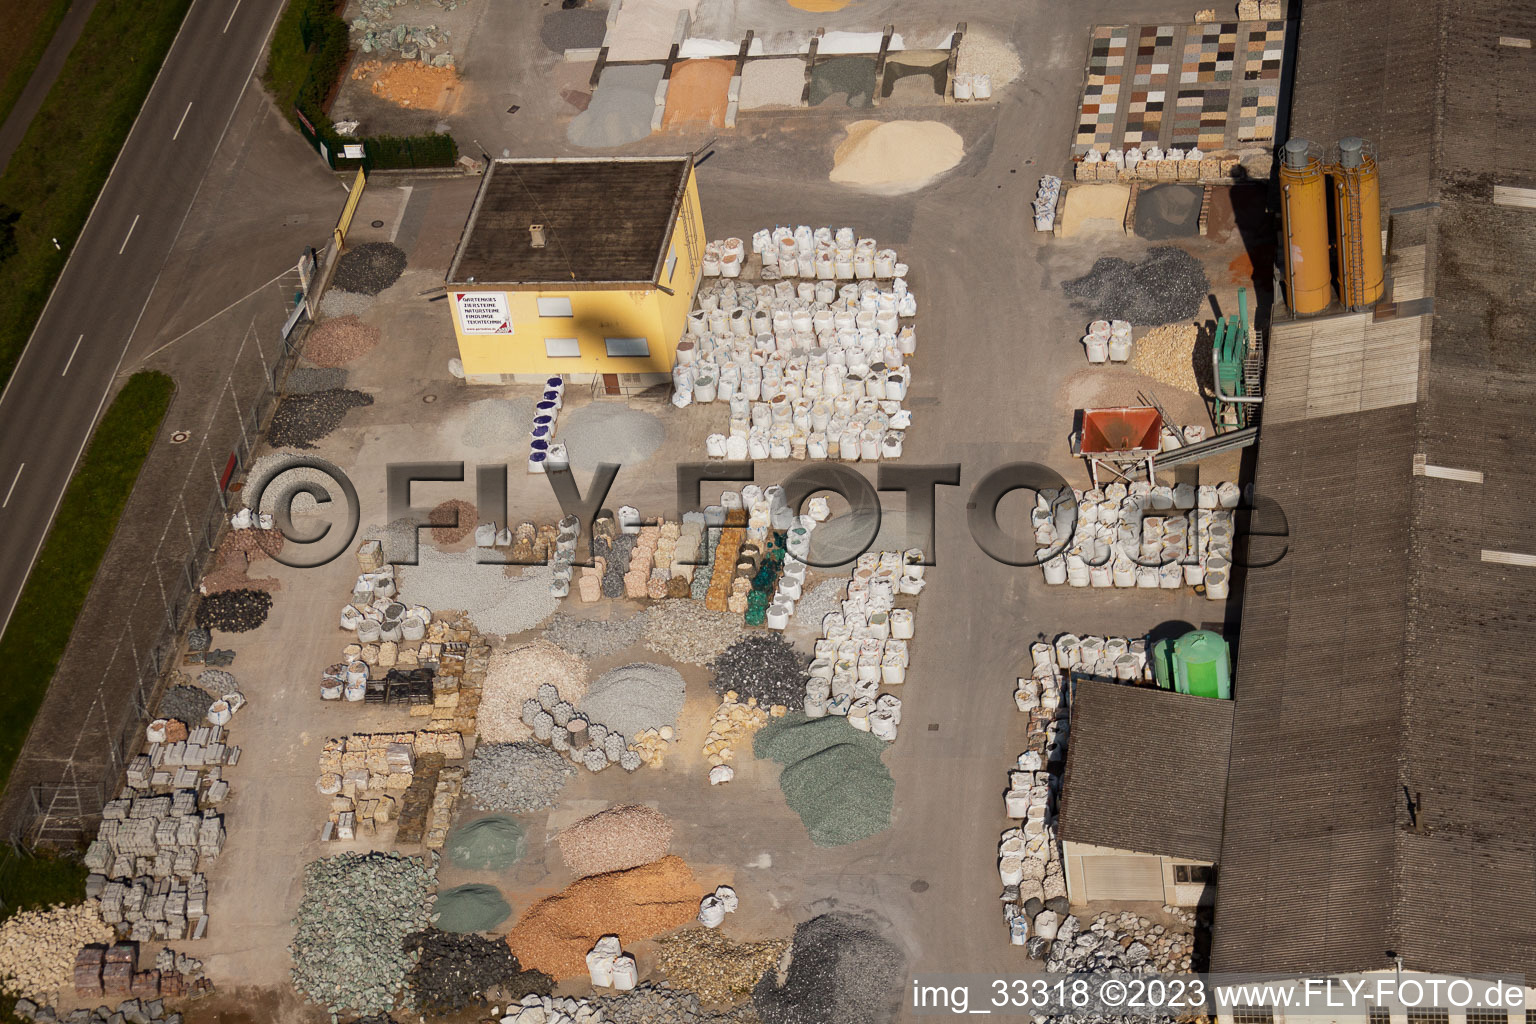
pixel 577 266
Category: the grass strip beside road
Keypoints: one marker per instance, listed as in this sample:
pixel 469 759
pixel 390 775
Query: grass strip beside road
pixel 67 153
pixel 45 614
pixel 30 25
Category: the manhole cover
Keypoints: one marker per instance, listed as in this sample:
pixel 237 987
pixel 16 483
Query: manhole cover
pixel 919 886
pixel 429 399
pixel 378 223
pixel 933 726
pixel 180 436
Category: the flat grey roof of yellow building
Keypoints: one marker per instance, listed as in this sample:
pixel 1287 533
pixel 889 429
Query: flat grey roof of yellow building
pixel 606 220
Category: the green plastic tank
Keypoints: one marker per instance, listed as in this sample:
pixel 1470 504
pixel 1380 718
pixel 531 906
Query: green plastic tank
pixel 1202 665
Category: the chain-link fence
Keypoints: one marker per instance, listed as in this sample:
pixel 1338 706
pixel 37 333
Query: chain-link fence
pixel 127 640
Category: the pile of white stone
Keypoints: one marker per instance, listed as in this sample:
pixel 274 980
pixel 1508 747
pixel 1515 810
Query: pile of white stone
pixel 811 369
pixel 536 1009
pixel 1122 942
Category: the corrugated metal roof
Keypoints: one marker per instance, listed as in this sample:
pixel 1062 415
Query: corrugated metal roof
pixel 1383 659
pixel 1146 770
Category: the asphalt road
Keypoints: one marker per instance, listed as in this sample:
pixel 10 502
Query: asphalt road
pixel 65 375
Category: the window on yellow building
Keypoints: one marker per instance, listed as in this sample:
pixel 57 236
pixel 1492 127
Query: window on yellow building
pixel 671 266
pixel 555 307
pixel 562 348
pixel 627 348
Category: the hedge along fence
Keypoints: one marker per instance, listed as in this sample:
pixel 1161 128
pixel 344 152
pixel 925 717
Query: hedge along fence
pixel 304 68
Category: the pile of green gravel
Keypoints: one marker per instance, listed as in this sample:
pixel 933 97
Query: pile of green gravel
pixel 833 776
pixel 492 843
pixel 470 908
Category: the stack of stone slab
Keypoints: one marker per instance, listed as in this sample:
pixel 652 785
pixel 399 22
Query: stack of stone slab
pixel 147 860
pixel 375 778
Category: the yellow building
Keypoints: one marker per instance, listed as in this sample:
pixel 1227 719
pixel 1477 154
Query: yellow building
pixel 583 266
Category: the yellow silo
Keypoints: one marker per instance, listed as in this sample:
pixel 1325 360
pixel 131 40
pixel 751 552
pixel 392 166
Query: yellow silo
pixel 1357 209
pixel 1304 217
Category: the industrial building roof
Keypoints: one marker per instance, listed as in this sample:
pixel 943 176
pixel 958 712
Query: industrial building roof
pixel 606 220
pixel 1146 770
pixel 1383 774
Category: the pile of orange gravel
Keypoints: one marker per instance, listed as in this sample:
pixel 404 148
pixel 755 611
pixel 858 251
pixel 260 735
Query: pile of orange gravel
pixel 555 934
pixel 447 530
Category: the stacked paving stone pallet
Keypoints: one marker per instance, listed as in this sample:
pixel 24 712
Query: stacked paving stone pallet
pixel 811 369
pixel 403 655
pixel 373 779
pixel 1142 536
pixel 590 744
pixel 102 971
pixel 163 829
pixel 1029 856
pixel 865 645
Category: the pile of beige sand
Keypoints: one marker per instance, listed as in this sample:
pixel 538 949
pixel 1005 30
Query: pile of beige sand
pixel 1096 208
pixel 892 157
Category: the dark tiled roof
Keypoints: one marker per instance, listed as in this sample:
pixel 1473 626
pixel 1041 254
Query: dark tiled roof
pixel 1146 770
pixel 605 220
pixel 1383 657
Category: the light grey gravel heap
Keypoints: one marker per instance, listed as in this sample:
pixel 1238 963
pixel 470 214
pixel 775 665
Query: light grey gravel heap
pixel 497 422
pixel 497 604
pixel 689 633
pixel 842 968
pixel 356 912
pixel 340 303
pixel 270 476
pixel 635 697
pixel 306 380
pixel 595 638
pixel 609 432
pixel 1168 285
pixel 826 597
pixel 518 777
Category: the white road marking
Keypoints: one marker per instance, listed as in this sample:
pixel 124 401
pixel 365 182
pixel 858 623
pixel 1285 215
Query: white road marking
pixel 183 121
pixel 8 493
pixel 231 15
pixel 1518 42
pixel 128 235
pixel 1510 558
pixel 400 219
pixel 70 361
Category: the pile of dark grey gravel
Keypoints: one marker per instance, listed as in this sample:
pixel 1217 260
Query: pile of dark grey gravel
pixel 842 968
pixel 301 421
pixel 306 380
pixel 234 611
pixel 456 971
pixel 761 665
pixel 1166 286
pixel 369 268
pixel 185 703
